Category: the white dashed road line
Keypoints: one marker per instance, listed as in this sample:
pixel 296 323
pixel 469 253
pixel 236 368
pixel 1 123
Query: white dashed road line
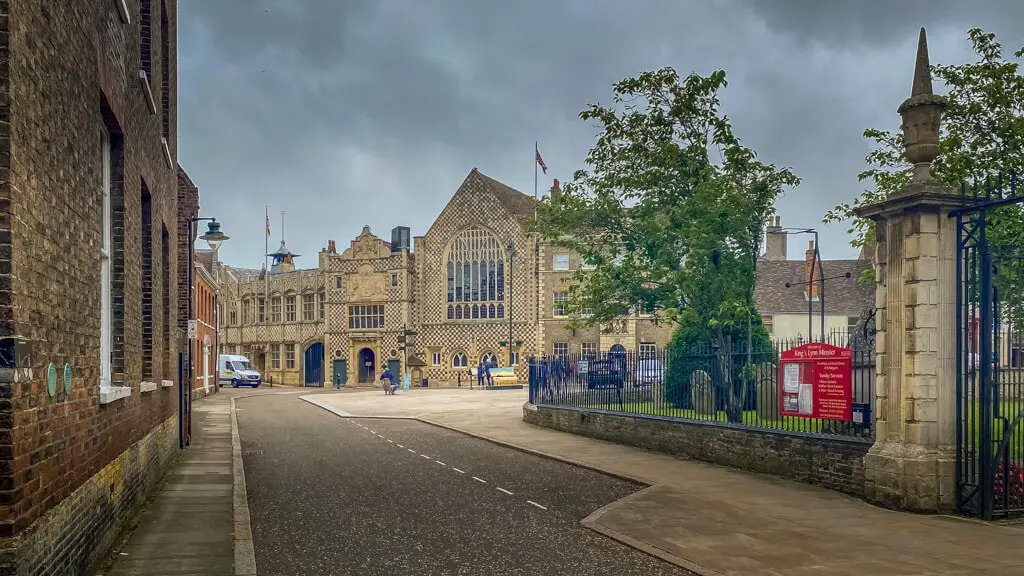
pixel 477 478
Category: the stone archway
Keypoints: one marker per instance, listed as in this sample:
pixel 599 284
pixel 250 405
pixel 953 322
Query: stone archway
pixel 367 366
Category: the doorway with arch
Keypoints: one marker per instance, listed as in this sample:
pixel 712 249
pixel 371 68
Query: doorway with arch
pixel 367 366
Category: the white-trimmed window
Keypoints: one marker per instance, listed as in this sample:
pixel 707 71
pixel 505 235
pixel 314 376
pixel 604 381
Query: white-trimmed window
pixel 435 359
pixel 560 349
pixel 588 349
pixel 459 360
pixel 261 311
pixel 560 262
pixel 275 356
pixel 489 359
pixel 647 349
pixel 106 270
pixel 515 357
pixel 289 356
pixel 561 300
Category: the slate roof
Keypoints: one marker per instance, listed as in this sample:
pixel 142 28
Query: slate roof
pixel 517 203
pixel 843 296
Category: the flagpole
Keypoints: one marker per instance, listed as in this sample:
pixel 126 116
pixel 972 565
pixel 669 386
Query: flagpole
pixel 266 261
pixel 536 152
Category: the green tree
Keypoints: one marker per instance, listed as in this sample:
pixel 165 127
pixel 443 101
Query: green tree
pixel 671 210
pixel 982 138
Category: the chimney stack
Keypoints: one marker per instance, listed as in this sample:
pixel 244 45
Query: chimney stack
pixel 775 240
pixel 331 247
pixel 556 190
pixel 811 289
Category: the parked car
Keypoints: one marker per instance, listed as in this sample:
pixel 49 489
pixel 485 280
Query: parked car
pixel 237 370
pixel 603 374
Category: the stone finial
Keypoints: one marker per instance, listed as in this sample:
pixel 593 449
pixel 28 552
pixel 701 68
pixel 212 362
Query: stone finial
pixel 922 115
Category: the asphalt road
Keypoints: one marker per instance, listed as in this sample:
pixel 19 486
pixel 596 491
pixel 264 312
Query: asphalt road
pixel 336 496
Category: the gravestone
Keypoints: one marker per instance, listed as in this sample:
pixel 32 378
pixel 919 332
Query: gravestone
pixel 767 392
pixel 702 393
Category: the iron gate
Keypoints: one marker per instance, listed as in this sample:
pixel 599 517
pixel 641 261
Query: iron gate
pixel 990 366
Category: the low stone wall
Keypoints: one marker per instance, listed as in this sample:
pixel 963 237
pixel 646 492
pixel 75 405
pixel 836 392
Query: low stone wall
pixel 834 463
pixel 79 531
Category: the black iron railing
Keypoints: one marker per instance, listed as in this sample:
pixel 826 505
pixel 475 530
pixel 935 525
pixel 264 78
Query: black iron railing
pixel 701 385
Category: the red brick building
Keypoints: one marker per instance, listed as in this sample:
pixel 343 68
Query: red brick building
pixel 205 310
pixel 90 260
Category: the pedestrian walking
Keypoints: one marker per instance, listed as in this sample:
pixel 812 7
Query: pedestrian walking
pixel 480 374
pixel 487 373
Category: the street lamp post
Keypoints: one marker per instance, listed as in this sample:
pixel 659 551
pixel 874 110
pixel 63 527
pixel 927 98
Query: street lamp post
pixel 810 282
pixel 213 237
pixel 510 249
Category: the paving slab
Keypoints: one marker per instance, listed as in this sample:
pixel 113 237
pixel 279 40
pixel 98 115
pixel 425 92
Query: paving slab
pixel 716 520
pixel 189 528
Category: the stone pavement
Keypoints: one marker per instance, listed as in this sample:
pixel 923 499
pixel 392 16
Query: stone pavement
pixel 715 520
pixel 188 530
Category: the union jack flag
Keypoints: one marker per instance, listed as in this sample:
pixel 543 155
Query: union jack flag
pixel 540 161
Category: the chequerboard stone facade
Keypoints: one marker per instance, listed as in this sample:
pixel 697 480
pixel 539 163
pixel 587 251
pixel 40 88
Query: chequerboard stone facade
pixel 89 260
pixel 912 463
pixel 406 286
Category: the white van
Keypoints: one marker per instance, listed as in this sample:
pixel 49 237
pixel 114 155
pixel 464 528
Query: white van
pixel 237 370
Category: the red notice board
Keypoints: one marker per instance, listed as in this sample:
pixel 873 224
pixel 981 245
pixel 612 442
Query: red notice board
pixel 816 381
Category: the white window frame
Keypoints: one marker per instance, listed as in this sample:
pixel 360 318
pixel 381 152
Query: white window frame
pixel 555 347
pixel 555 262
pixel 560 301
pixel 108 391
pixel 515 358
pixel 588 349
pixel 456 360
pixel 436 359
pixel 647 350
pixel 106 273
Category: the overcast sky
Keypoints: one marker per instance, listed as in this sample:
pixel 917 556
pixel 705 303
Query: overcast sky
pixel 346 113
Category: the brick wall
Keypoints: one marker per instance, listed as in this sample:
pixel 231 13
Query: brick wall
pixel 834 463
pixel 58 95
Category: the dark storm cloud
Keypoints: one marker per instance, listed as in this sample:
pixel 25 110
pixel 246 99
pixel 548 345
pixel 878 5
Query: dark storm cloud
pixel 345 113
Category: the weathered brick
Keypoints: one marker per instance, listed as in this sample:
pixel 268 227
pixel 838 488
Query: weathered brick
pixel 70 468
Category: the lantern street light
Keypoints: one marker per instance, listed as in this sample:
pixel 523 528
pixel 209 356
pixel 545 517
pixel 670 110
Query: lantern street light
pixel 213 237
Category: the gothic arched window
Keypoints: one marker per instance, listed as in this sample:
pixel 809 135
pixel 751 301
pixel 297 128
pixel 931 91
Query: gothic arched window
pixel 459 360
pixel 476 273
